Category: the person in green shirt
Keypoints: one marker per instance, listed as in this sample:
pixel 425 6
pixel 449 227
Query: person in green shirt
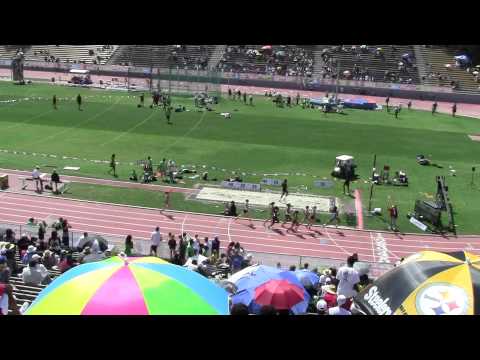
pixel 190 249
pixel 128 245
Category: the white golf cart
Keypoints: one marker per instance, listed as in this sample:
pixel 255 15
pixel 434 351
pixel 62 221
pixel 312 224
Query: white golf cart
pixel 344 165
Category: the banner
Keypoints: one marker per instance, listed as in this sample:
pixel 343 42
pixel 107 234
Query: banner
pixel 235 185
pixel 272 182
pixel 325 184
pixel 418 224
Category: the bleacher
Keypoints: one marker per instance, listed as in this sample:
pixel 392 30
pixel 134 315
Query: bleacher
pixel 436 57
pixel 346 59
pixel 243 58
pixel 82 54
pixel 23 292
pixel 164 56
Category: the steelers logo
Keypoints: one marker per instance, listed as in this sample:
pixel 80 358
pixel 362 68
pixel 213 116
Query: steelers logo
pixel 442 299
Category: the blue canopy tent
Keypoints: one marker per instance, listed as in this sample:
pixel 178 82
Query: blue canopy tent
pixel 359 103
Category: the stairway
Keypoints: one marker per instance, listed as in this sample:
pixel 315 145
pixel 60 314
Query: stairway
pixel 216 56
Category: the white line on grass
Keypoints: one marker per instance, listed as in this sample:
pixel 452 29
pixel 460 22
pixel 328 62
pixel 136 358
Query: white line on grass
pixel 28 120
pixel 129 130
pixel 76 125
pixel 184 135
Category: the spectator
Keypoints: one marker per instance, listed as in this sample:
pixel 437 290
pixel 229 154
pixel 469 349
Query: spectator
pixel 305 266
pixel 9 253
pixel 193 265
pixel 279 266
pixel 322 307
pixel 31 250
pixel 348 277
pixel 65 233
pixel 54 242
pixel 7 300
pixel 172 245
pixel 129 245
pixel 239 309
pixel 67 263
pixel 248 261
pixel 330 295
pixel 190 249
pixel 50 259
pixel 35 274
pixel 9 236
pixel 83 239
pixel 325 275
pixel 155 240
pixel 42 228
pixel 268 310
pixel 340 309
pixel 292 268
pixel 22 245
pixel 216 246
pixel 5 271
pixel 182 247
pixel 196 245
pixel 236 262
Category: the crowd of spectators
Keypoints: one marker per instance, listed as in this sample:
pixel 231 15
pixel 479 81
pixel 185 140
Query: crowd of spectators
pixel 290 60
pixel 361 56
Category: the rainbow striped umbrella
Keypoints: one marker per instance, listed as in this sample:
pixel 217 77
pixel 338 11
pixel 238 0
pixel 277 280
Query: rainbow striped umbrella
pixel 131 286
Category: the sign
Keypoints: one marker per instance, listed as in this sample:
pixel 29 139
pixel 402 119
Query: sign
pixel 418 224
pixel 235 185
pixel 325 184
pixel 273 182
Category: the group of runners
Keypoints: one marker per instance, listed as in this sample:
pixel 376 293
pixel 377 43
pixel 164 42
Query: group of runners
pixel 398 108
pixel 292 216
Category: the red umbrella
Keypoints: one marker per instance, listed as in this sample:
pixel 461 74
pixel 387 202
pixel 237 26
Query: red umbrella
pixel 281 294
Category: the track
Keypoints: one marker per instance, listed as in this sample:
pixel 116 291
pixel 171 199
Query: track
pixel 329 243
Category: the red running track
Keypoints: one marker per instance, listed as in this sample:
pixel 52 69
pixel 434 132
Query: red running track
pixel 328 243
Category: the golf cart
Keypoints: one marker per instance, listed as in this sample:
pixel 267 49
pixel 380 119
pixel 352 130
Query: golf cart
pixel 344 166
pixel 80 77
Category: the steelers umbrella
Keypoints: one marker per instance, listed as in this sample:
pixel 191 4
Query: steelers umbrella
pixel 426 283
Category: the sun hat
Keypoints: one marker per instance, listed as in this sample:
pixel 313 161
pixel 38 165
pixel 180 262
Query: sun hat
pixel 321 305
pixel 36 257
pixel 31 249
pixel 341 299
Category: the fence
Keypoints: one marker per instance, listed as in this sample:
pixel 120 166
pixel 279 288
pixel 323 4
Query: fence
pixel 142 247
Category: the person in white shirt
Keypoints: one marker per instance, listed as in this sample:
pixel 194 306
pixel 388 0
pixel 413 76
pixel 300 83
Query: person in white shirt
pixel 339 309
pixel 36 178
pixel 155 239
pixel 347 277
pixel 35 274
pixel 196 245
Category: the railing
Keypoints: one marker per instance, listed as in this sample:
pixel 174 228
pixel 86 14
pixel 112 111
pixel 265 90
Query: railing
pixel 142 247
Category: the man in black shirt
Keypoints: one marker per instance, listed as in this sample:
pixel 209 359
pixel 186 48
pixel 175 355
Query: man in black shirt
pixel 113 166
pixel 284 189
pixel 434 108
pixel 454 109
pixel 79 102
pixel 245 98
pixel 387 101
pixel 142 100
pixel 54 100
pixel 55 179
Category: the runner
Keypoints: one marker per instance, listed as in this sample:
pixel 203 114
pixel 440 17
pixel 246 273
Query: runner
pixel 313 217
pixel 272 205
pixel 284 189
pixel 297 99
pixel 113 166
pixel 246 212
pixel 250 99
pixel 454 109
pixel 295 222
pixel 306 214
pixel 168 112
pixel 54 100
pixel 409 105
pixel 387 100
pixel 334 216
pixel 142 100
pixel 434 108
pixel 288 214
pixel 166 203
pixel 274 219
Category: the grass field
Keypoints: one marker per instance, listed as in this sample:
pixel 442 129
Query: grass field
pixel 259 139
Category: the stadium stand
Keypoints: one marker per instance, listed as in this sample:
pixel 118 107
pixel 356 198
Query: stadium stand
pixel 277 59
pixel 437 72
pixel 86 54
pixel 383 63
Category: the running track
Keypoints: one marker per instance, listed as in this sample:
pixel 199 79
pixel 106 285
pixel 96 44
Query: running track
pixel 328 243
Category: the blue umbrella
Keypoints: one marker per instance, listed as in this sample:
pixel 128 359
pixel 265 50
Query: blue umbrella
pixel 307 278
pixel 247 284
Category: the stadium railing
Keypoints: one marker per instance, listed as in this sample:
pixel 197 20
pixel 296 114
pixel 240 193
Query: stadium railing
pixel 142 247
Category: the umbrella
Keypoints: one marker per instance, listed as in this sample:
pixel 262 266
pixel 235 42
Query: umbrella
pixel 267 47
pixel 88 241
pixel 243 273
pixel 281 294
pixel 426 283
pixel 130 286
pixel 280 53
pixel 256 276
pixel 307 278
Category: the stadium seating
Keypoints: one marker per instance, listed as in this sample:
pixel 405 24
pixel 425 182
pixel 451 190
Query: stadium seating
pixel 436 57
pixel 87 54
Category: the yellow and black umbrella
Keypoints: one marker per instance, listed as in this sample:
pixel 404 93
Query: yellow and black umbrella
pixel 426 283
